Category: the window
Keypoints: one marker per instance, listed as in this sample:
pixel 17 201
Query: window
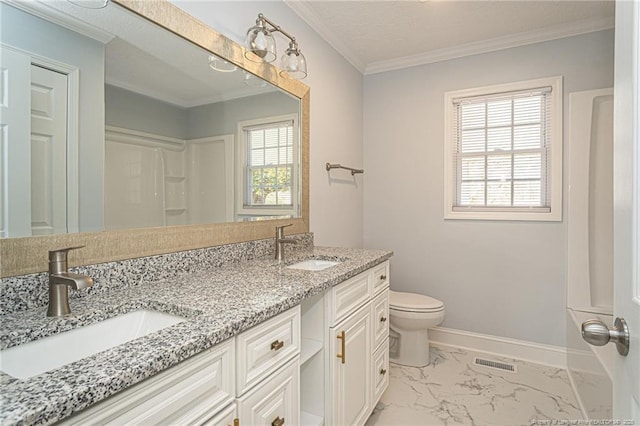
pixel 268 154
pixel 503 156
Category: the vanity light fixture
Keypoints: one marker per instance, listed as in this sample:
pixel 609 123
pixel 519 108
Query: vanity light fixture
pixel 90 4
pixel 260 41
pixel 221 65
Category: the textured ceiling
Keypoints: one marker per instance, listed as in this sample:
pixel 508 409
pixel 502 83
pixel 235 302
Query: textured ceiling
pixel 376 34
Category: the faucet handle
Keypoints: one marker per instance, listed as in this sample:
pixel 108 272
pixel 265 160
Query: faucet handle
pixel 60 255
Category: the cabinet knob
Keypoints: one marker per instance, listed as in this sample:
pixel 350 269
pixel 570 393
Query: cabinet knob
pixel 278 344
pixel 278 421
pixel 383 277
pixel 383 371
pixel 383 319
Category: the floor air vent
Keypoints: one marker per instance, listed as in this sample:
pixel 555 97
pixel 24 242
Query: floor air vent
pixel 495 364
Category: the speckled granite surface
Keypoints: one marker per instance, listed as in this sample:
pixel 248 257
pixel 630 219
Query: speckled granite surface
pixel 219 302
pixel 31 291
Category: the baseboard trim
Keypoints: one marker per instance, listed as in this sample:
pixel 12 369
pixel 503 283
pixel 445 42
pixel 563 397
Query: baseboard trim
pixel 539 353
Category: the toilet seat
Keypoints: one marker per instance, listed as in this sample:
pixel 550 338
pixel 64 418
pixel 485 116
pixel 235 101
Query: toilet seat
pixel 411 302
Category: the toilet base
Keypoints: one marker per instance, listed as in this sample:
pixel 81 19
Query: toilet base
pixel 412 348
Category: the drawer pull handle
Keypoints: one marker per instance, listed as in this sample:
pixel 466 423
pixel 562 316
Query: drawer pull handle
pixel 343 355
pixel 383 371
pixel 383 319
pixel 278 344
pixel 278 421
pixel 383 277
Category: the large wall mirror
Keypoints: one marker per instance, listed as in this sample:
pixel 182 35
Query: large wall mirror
pixel 132 142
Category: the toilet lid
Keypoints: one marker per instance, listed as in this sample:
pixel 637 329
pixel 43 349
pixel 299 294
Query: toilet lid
pixel 413 302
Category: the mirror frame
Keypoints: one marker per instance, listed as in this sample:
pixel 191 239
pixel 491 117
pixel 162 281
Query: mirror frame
pixel 19 256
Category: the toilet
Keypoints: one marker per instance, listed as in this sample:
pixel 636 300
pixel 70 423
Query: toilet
pixel 411 315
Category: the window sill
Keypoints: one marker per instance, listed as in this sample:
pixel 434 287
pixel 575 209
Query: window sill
pixel 551 216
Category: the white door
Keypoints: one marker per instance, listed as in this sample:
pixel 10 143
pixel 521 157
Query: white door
pixel 48 151
pixel 626 387
pixel 33 147
pixel 15 180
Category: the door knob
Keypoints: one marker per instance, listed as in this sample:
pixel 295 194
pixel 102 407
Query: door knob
pixel 597 333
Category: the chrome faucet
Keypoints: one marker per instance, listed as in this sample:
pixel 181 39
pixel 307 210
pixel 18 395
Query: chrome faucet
pixel 281 240
pixel 60 279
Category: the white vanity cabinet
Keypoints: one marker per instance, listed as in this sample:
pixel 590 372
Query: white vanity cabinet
pixel 324 362
pixel 251 379
pixel 355 331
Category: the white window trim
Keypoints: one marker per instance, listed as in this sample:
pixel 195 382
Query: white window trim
pixel 241 154
pixel 524 214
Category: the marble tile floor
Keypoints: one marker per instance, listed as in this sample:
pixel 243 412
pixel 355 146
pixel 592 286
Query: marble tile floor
pixel 451 390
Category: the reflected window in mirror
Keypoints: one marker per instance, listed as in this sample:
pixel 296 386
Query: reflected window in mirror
pixel 267 161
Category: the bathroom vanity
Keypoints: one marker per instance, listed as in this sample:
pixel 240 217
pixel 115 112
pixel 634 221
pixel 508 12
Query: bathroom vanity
pixel 261 343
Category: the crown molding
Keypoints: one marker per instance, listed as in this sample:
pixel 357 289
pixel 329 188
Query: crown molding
pixel 47 12
pixel 308 15
pixel 499 43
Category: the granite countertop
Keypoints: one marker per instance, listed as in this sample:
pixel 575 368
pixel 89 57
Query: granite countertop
pixel 218 304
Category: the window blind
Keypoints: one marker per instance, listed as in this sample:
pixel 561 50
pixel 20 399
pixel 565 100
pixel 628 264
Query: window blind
pixel 502 151
pixel 269 164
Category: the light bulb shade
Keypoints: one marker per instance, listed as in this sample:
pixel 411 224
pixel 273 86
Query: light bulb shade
pixel 221 65
pixel 253 81
pixel 261 42
pixel 294 64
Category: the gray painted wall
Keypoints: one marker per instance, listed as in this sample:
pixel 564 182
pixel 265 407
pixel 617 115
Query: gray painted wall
pixel 499 278
pixel 138 112
pixel 35 35
pixel 222 118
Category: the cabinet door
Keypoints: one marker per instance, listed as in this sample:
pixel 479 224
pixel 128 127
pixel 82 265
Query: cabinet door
pixel 380 318
pixel 350 371
pixel 275 401
pixel 380 371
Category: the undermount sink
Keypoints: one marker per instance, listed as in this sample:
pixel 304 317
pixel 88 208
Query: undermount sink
pixel 33 358
pixel 314 264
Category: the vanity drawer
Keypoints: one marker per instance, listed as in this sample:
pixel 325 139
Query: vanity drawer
pixel 266 347
pixel 380 372
pixel 226 417
pixel 349 296
pixel 274 401
pixel 184 394
pixel 380 276
pixel 380 318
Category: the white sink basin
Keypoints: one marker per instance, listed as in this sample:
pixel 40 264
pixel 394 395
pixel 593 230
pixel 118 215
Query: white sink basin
pixel 33 358
pixel 314 264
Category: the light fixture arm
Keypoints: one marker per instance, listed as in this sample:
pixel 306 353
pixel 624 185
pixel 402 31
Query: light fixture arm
pixel 275 27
